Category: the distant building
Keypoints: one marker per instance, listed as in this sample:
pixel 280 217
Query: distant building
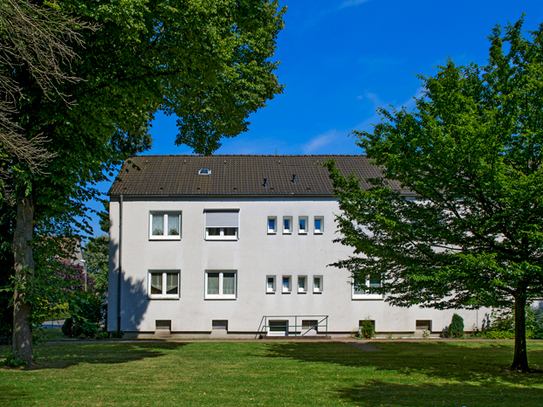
pixel 240 246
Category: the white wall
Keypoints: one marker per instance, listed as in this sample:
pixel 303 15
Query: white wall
pixel 255 255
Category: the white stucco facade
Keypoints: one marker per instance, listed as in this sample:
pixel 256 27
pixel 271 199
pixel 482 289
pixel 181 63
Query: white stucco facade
pixel 253 257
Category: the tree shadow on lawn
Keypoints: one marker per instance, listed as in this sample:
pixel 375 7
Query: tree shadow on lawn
pixel 478 362
pixel 60 356
pixel 379 393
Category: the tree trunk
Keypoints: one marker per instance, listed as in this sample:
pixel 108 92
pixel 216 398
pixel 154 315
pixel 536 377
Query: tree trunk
pixel 520 359
pixel 24 271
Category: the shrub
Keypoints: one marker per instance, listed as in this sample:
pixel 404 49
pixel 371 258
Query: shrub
pixel 89 329
pixel 367 329
pixel 456 328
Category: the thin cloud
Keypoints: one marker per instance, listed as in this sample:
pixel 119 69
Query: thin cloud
pixel 317 143
pixel 349 3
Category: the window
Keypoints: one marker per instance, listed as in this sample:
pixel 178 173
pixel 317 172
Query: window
pixel 302 225
pixel 318 225
pixel 270 284
pixel 279 328
pixel 165 225
pixel 286 287
pixel 204 171
pixel 219 324
pixel 317 284
pixel 287 224
pixel 220 284
pixel 423 325
pixel 222 224
pixel 163 284
pixel 365 292
pixel 272 224
pixel 310 324
pixel 302 284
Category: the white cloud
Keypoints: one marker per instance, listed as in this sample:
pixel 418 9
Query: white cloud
pixel 349 3
pixel 318 142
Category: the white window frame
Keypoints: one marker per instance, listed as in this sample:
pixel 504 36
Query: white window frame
pixel 364 294
pixel 321 230
pixel 302 231
pixel 270 290
pixel 317 289
pixel 303 288
pixel 220 295
pixel 287 231
pixel 288 289
pixel 270 230
pixel 164 295
pixel 165 216
pixel 222 228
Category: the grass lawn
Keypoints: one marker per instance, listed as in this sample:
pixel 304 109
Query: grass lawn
pixel 274 374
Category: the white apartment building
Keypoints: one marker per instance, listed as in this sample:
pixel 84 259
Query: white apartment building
pixel 239 246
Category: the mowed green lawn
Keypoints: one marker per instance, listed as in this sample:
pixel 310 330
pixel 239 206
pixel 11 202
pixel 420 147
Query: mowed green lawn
pixel 274 374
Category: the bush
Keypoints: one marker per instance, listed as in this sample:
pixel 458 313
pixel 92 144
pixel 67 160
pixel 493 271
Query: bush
pixel 456 328
pixel 367 329
pixel 86 313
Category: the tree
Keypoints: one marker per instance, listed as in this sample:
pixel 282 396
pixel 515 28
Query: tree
pixel 457 219
pixel 97 257
pixel 206 61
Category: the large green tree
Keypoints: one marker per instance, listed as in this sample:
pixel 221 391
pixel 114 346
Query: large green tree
pixel 206 61
pixel 457 219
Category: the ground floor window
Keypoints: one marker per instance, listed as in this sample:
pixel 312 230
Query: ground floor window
pixel 163 284
pixel 220 284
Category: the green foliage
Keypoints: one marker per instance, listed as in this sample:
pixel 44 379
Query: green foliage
pixel 14 360
pixel 457 218
pixel 367 329
pixel 86 313
pixel 117 334
pixel 97 256
pixel 456 328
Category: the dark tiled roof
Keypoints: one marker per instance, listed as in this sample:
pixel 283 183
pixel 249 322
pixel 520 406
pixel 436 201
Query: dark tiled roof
pixel 236 174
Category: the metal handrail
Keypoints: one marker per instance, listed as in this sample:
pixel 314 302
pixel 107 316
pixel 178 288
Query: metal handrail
pixel 322 322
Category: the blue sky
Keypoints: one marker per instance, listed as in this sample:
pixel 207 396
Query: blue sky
pixel 341 60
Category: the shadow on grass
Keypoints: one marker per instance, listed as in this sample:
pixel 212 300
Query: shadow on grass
pixel 477 362
pixel 60 356
pixel 377 393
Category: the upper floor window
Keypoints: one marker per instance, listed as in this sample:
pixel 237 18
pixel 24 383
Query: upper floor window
pixel 287 224
pixel 317 284
pixel 220 284
pixel 163 284
pixel 222 224
pixel 319 225
pixel 165 225
pixel 272 224
pixel 364 292
pixel 302 225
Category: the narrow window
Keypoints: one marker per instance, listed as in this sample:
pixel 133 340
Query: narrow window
pixel 317 284
pixel 318 225
pixel 302 284
pixel 287 224
pixel 270 284
pixel 302 225
pixel 272 224
pixel 286 287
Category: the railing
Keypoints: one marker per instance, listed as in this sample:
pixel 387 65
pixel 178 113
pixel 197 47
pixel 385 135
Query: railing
pixel 282 325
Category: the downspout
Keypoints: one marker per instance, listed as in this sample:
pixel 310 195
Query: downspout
pixel 119 274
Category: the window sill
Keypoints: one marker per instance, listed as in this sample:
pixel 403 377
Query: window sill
pixel 164 237
pixel 162 297
pixel 234 238
pixel 318 233
pixel 220 297
pixel 368 297
pixel 302 233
